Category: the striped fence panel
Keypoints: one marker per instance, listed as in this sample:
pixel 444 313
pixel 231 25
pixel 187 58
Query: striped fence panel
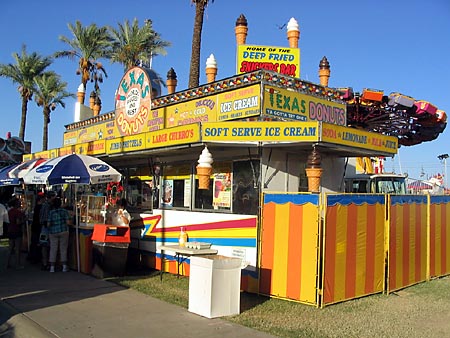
pixel 289 246
pixel 439 236
pixel 407 264
pixel 353 259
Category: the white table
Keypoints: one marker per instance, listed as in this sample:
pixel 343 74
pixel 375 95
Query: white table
pixel 182 253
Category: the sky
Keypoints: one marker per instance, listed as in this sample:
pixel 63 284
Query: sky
pixel 392 45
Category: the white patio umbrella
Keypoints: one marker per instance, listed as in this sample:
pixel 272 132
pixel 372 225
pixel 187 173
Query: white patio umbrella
pixel 73 169
pixel 13 174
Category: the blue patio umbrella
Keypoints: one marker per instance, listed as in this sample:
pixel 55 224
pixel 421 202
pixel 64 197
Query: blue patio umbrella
pixel 13 174
pixel 73 169
pixel 5 179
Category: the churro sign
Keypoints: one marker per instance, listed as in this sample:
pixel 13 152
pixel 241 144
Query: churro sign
pixel 133 102
pixel 278 59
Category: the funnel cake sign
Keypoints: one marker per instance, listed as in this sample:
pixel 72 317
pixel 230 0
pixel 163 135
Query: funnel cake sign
pixel 133 102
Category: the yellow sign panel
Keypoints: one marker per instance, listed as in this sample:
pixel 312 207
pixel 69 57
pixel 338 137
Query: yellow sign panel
pixel 27 157
pixel 42 154
pixel 95 132
pixel 239 103
pixel 261 131
pixel 66 150
pixel 96 147
pixel 126 144
pixel 358 138
pixel 278 59
pixel 293 106
pixel 173 136
pixel 201 110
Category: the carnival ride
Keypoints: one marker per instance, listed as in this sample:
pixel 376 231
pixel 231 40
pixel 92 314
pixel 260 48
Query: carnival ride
pixel 411 121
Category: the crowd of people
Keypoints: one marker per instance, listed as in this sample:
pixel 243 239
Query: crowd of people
pixel 49 231
pixel 49 237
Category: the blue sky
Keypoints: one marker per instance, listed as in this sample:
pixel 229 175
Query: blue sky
pixel 396 46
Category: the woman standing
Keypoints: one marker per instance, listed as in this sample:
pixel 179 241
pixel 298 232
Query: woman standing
pixel 58 233
pixel 123 217
pixel 15 231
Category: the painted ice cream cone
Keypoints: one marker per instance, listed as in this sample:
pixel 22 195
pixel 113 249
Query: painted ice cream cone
pixel 241 30
pixel 293 33
pixel 211 69
pixel 171 81
pixel 204 169
pixel 324 72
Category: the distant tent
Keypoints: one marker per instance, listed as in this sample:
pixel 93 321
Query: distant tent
pixel 419 186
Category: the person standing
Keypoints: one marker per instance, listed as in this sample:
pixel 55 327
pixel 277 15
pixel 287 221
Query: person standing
pixel 43 217
pixel 35 254
pixel 58 233
pixel 16 226
pixel 122 217
pixel 4 219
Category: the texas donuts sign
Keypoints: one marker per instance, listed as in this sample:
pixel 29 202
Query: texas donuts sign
pixel 133 102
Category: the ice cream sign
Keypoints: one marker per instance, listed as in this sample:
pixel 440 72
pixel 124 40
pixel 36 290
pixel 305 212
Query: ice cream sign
pixel 278 59
pixel 133 102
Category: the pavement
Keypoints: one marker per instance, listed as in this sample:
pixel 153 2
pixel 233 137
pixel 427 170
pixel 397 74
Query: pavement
pixel 35 303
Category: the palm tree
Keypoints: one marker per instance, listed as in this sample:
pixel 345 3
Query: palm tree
pixel 194 71
pixel 50 92
pixel 132 44
pixel 89 44
pixel 23 73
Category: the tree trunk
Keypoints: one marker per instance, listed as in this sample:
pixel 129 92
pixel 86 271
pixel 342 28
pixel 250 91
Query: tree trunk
pixel 46 113
pixel 194 72
pixel 23 121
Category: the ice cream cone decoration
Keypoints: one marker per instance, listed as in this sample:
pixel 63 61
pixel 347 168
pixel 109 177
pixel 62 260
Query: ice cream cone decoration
pixel 92 98
pixel 204 169
pixel 241 30
pixel 171 81
pixel 314 171
pixel 80 94
pixel 293 33
pixel 324 72
pixel 97 106
pixel 211 69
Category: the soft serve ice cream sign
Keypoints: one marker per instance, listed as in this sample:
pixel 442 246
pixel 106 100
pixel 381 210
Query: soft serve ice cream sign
pixel 133 102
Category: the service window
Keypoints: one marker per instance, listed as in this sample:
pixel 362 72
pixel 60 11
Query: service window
pixel 245 187
pixel 219 194
pixel 139 193
pixel 176 187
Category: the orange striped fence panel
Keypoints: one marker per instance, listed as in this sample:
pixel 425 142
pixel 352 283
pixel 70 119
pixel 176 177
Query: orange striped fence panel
pixel 289 247
pixel 353 258
pixel 407 240
pixel 439 236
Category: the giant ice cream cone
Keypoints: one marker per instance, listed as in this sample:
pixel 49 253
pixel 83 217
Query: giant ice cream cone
pixel 80 94
pixel 211 69
pixel 293 33
pixel 171 81
pixel 324 72
pixel 314 175
pixel 314 171
pixel 241 30
pixel 204 169
pixel 204 175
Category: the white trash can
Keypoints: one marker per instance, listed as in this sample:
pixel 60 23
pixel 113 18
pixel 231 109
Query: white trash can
pixel 214 285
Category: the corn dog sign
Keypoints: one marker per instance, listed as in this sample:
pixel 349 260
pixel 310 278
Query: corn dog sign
pixel 278 59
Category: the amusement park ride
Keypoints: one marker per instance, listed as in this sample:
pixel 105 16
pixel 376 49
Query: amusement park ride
pixel 412 121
